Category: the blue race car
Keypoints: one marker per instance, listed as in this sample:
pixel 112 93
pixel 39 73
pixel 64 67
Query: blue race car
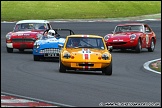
pixel 47 46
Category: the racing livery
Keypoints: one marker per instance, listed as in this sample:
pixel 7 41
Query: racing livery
pixel 89 54
pixel 133 36
pixel 49 47
pixel 25 33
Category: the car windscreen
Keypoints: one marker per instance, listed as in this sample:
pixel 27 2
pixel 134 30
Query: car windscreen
pixel 81 42
pixel 31 26
pixel 129 28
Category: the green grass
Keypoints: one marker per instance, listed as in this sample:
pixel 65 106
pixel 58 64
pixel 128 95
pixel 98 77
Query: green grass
pixel 156 66
pixel 18 10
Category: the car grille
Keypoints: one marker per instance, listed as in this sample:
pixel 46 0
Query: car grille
pixel 23 40
pixel 117 43
pixel 50 50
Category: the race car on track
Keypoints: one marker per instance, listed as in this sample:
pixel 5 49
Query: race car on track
pixel 25 33
pixel 85 52
pixel 134 36
pixel 46 47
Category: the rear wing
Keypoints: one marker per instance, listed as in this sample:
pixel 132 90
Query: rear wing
pixel 60 30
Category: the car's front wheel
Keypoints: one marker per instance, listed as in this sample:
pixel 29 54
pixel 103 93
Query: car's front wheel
pixel 110 49
pixel 108 70
pixel 152 46
pixel 36 58
pixel 138 47
pixel 9 50
pixel 62 68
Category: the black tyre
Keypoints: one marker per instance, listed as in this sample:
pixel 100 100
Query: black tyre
pixel 36 58
pixel 108 70
pixel 138 47
pixel 152 46
pixel 9 50
pixel 62 68
pixel 110 49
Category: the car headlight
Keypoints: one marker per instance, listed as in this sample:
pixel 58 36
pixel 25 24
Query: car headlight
pixel 105 56
pixel 132 37
pixel 66 55
pixel 36 45
pixel 106 37
pixel 8 36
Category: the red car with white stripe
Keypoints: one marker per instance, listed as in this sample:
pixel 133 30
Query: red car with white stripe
pixel 85 52
pixel 133 36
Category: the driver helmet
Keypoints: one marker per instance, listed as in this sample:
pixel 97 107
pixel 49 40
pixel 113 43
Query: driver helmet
pixel 76 41
pixel 51 33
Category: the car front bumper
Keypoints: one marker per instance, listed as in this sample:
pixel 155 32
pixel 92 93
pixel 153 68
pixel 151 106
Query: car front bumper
pixel 82 64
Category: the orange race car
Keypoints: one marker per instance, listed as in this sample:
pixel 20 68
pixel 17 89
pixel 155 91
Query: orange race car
pixel 85 52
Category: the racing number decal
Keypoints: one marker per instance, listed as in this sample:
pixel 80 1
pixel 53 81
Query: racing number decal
pixel 147 39
pixel 86 56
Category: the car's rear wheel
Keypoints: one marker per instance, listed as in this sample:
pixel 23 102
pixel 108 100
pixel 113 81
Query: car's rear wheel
pixel 108 70
pixel 62 68
pixel 36 58
pixel 9 50
pixel 138 47
pixel 152 46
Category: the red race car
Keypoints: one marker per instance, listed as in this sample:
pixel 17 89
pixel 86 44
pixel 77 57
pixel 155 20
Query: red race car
pixel 25 33
pixel 133 36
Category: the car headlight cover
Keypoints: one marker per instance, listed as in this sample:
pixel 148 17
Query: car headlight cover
pixel 132 37
pixel 105 56
pixel 106 37
pixel 8 36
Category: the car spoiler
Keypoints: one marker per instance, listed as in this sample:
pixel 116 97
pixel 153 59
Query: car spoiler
pixel 59 29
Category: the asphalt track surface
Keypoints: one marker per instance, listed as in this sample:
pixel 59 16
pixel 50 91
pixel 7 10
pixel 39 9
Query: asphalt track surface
pixel 129 82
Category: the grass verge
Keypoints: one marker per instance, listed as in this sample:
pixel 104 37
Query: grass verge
pixel 156 65
pixel 19 10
